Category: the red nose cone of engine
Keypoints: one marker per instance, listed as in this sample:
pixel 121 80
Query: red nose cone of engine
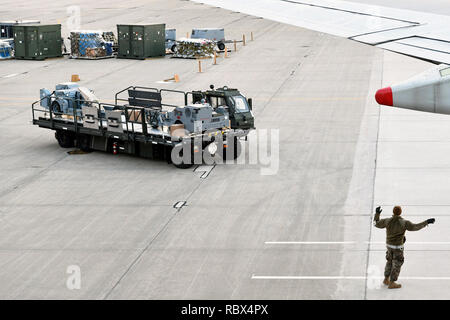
pixel 384 96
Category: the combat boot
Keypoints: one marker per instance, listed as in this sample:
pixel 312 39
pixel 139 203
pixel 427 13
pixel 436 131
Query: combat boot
pixel 394 285
pixel 386 281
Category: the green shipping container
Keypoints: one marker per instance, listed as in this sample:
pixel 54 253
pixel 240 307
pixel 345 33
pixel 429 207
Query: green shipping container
pixel 37 41
pixel 141 41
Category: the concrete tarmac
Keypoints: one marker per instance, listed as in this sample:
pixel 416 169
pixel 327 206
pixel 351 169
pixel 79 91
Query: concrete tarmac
pixel 303 231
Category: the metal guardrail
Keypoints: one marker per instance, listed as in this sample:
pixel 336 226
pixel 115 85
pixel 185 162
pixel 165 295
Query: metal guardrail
pixel 78 119
pixel 156 90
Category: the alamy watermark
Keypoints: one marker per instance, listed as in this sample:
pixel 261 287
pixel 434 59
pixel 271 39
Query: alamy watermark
pixel 73 281
pixel 73 18
pixel 259 147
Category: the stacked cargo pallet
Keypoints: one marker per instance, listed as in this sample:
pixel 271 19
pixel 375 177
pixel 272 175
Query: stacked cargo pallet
pixel 91 44
pixel 109 37
pixel 110 41
pixel 194 48
pixel 5 50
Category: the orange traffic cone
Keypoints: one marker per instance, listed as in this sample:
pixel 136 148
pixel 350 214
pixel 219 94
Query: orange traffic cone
pixel 175 78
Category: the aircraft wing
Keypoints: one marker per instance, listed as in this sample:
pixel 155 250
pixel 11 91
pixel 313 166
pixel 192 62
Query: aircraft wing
pixel 418 34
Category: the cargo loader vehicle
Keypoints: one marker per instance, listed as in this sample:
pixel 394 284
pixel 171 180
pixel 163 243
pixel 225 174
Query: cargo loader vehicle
pixel 138 123
pixel 233 102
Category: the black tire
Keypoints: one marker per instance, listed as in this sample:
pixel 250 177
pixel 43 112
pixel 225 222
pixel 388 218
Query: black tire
pixel 184 165
pixel 84 142
pixel 65 139
pixel 221 46
pixel 237 149
pixel 174 48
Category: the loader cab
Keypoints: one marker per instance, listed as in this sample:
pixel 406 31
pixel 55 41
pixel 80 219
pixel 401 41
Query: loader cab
pixel 231 101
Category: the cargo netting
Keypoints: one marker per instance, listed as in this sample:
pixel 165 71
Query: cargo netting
pixel 92 44
pixel 194 48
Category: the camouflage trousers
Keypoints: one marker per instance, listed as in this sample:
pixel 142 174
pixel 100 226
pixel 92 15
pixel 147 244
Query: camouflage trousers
pixel 394 263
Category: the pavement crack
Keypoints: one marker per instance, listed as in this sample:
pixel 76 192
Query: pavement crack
pixel 138 257
pixel 288 78
pixel 149 244
pixel 32 178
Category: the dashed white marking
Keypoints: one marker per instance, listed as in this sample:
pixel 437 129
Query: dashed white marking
pixel 179 204
pixel 206 169
pixel 162 81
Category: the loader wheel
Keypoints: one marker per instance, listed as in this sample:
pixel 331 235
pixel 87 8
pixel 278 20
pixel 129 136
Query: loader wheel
pixel 221 46
pixel 184 165
pixel 65 139
pixel 84 142
pixel 237 148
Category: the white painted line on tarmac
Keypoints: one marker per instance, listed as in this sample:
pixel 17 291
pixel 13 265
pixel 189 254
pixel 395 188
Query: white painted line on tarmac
pixel 309 242
pixel 254 277
pixel 412 242
pixel 351 242
pixel 308 277
pixel 11 75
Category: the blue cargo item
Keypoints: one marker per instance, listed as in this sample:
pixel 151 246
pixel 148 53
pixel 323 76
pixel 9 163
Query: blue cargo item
pixel 91 44
pixel 5 50
pixel 109 47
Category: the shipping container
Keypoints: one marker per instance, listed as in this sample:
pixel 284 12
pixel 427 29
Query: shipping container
pixel 141 41
pixel 37 41
pixel 6 31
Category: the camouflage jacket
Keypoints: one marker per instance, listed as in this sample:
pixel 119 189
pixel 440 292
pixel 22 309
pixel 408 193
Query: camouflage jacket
pixel 396 227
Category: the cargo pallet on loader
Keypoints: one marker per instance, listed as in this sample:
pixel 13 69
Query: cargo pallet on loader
pixel 109 127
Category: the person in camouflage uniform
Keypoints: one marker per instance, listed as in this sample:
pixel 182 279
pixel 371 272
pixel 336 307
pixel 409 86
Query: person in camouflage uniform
pixel 396 227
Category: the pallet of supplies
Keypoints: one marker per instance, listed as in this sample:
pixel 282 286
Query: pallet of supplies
pixel 6 51
pixel 194 48
pixel 177 130
pixel 135 115
pixel 91 44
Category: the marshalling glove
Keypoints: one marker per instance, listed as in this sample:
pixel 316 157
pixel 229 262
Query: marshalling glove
pixel 378 210
pixel 432 220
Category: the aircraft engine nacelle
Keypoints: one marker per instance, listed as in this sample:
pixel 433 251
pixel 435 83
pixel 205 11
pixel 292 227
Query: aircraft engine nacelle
pixel 428 92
